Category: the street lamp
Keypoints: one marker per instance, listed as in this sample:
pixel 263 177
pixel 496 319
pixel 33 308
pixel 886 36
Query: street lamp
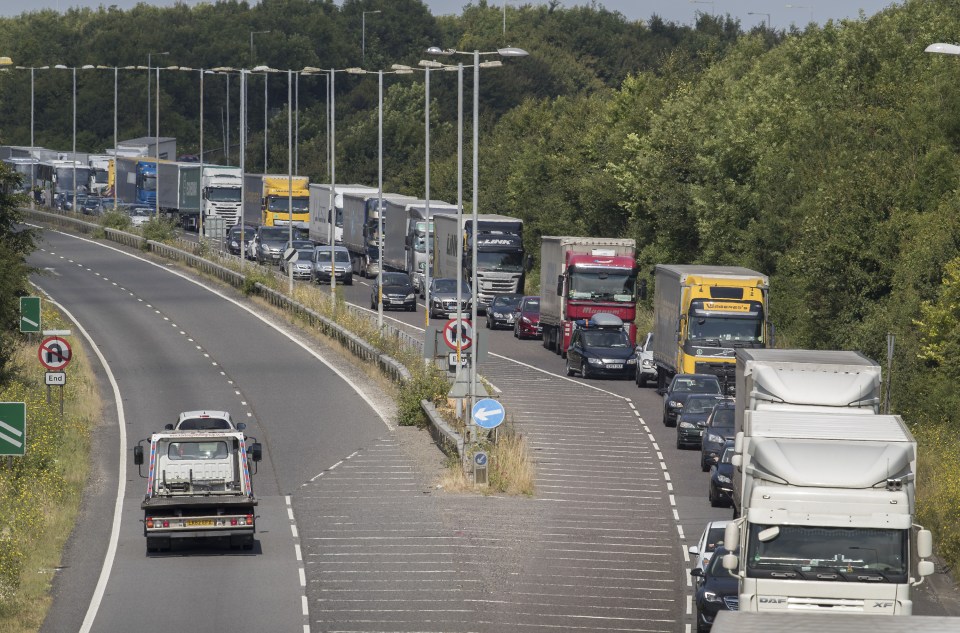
pixel 252 33
pixel 943 49
pixel 243 146
pixel 801 6
pixel 502 52
pixel 265 70
pixel 758 13
pixel 149 101
pixel 74 153
pixel 5 61
pixel 380 74
pixel 363 35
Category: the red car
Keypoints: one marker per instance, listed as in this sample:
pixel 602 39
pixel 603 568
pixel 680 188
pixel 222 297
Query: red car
pixel 527 323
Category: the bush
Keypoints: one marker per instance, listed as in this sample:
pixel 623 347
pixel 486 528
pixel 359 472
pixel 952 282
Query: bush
pixel 425 384
pixel 254 277
pixel 116 220
pixel 160 230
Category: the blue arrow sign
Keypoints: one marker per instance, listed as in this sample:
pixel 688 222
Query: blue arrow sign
pixel 488 413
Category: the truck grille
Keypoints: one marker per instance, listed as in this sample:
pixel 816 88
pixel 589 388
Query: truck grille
pixel 725 373
pixel 229 214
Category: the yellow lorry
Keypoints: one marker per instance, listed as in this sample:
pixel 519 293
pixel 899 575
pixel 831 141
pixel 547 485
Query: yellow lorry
pixel 702 315
pixel 273 194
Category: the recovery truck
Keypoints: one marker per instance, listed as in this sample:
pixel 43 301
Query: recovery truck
pixel 198 486
pixel 321 216
pixel 500 258
pixel 702 315
pixel 581 277
pixel 267 196
pixel 827 524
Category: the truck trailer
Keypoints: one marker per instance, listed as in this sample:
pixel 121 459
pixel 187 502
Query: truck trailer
pixel 320 215
pixel 361 226
pixel 500 256
pixel 198 486
pixel 581 277
pixel 827 514
pixel 702 315
pixel 405 235
pixel 136 180
pixel 178 192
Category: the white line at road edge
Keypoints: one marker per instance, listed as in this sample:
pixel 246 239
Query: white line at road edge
pixel 236 303
pixel 101 587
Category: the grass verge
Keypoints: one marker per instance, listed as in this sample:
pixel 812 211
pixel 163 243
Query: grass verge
pixel 40 493
pixel 938 487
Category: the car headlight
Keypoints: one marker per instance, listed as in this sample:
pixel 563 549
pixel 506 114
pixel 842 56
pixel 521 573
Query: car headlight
pixel 723 479
pixel 410 297
pixel 711 596
pixel 686 425
pixel 631 361
pixel 525 320
pixel 421 266
pixel 234 244
pixel 595 361
pixel 714 438
pixel 648 363
pixel 674 404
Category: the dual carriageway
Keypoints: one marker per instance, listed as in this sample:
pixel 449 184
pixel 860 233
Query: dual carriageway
pixel 354 534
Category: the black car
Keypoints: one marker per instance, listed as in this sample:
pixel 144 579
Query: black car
pixel 720 492
pixel 719 429
pixel 502 311
pixel 693 418
pixel 233 238
pixel 398 292
pixel 601 348
pixel 717 590
pixel 681 388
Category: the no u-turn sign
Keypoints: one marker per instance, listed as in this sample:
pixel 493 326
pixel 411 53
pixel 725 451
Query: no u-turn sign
pixel 54 353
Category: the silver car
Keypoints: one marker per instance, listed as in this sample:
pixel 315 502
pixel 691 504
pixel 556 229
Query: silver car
pixel 443 297
pixel 343 267
pixel 646 368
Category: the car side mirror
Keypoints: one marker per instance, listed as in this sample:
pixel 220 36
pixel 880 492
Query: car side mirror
pixel 696 572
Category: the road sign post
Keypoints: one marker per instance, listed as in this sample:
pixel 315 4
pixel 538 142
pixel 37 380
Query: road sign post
pixel 13 428
pixel 30 314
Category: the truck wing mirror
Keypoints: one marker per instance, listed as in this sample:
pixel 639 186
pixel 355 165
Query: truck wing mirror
pixel 642 290
pixel 559 285
pixel 167 427
pixel 730 562
pixel 528 266
pixel 256 451
pixel 138 455
pixel 924 544
pixel 731 537
pixel 241 426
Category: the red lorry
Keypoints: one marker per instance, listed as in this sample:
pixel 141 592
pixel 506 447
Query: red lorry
pixel 581 277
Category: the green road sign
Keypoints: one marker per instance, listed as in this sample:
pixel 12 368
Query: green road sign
pixel 29 314
pixel 13 428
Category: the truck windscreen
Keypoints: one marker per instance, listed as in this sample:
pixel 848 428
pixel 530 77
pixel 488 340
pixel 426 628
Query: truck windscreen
pixel 276 203
pixel 799 552
pixel 223 194
pixel 603 285
pixel 726 329
pixel 510 262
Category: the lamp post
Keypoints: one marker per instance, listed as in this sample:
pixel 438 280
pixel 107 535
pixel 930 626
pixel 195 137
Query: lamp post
pixel 33 170
pixel 380 74
pixel 363 35
pixel 74 151
pixel 266 70
pixel 801 6
pixel 427 66
pixel 758 13
pixel 149 101
pixel 502 52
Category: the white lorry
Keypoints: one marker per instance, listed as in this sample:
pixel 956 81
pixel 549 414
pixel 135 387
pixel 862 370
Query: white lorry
pixel 405 235
pixel 501 265
pixel 320 215
pixel 361 228
pixel 198 486
pixel 741 622
pixel 824 492
pixel 220 187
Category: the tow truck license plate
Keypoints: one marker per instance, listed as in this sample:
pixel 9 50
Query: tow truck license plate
pixel 200 523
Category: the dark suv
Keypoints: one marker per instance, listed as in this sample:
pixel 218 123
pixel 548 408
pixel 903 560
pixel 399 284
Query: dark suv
pixel 682 387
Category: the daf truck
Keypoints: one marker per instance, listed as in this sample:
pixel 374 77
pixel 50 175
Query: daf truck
pixel 581 277
pixel 828 509
pixel 198 486
pixel 702 315
pixel 321 216
pixel 501 265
